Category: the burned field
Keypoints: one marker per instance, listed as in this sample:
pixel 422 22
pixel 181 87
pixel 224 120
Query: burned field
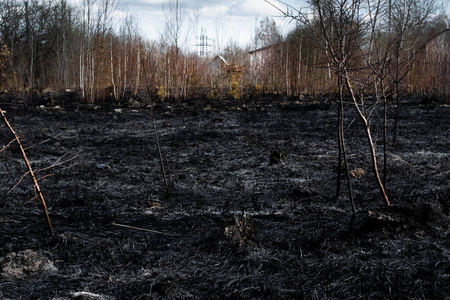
pixel 250 214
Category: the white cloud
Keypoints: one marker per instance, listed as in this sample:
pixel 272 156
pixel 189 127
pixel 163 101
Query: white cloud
pixel 211 11
pixel 238 16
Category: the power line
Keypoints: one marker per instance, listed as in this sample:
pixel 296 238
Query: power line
pixel 203 45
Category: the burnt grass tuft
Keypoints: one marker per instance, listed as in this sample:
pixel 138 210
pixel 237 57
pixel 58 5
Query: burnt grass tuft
pixel 251 212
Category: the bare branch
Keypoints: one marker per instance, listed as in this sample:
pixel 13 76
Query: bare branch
pixel 7 145
pixel 30 171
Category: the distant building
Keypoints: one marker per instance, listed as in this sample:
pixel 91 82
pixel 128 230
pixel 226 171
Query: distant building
pixel 260 55
pixel 262 60
pixel 218 63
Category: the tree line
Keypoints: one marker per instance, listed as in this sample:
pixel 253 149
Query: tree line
pixel 52 45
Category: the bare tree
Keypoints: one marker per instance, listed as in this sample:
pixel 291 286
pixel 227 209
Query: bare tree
pixel 337 26
pixel 55 45
pixel 175 37
pixel 221 23
pixel 407 19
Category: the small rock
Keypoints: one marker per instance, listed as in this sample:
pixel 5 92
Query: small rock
pixel 133 103
pixel 357 173
pixel 103 166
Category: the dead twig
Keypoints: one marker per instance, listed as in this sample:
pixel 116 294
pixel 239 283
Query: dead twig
pixel 141 229
pixel 45 176
pixel 155 130
pixel 18 182
pixel 7 145
pixel 55 164
pixel 30 171
pixel 32 199
pixel 58 162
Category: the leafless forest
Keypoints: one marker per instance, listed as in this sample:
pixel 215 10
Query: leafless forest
pixel 312 165
pixel 53 46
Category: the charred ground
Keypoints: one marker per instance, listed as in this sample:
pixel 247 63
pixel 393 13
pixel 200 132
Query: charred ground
pixel 251 212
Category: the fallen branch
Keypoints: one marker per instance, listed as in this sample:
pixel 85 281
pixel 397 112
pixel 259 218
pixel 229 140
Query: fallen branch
pixel 141 229
pixel 30 171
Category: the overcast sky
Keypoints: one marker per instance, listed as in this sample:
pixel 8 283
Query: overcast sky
pixel 222 20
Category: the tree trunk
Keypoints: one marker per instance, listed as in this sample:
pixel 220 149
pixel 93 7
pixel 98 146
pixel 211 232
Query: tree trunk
pixel 342 149
pixel 370 141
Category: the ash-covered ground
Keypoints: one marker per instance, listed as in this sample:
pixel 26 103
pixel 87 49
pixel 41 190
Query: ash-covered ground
pixel 251 211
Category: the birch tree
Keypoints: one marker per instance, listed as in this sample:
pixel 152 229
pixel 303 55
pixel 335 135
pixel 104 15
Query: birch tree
pixel 174 37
